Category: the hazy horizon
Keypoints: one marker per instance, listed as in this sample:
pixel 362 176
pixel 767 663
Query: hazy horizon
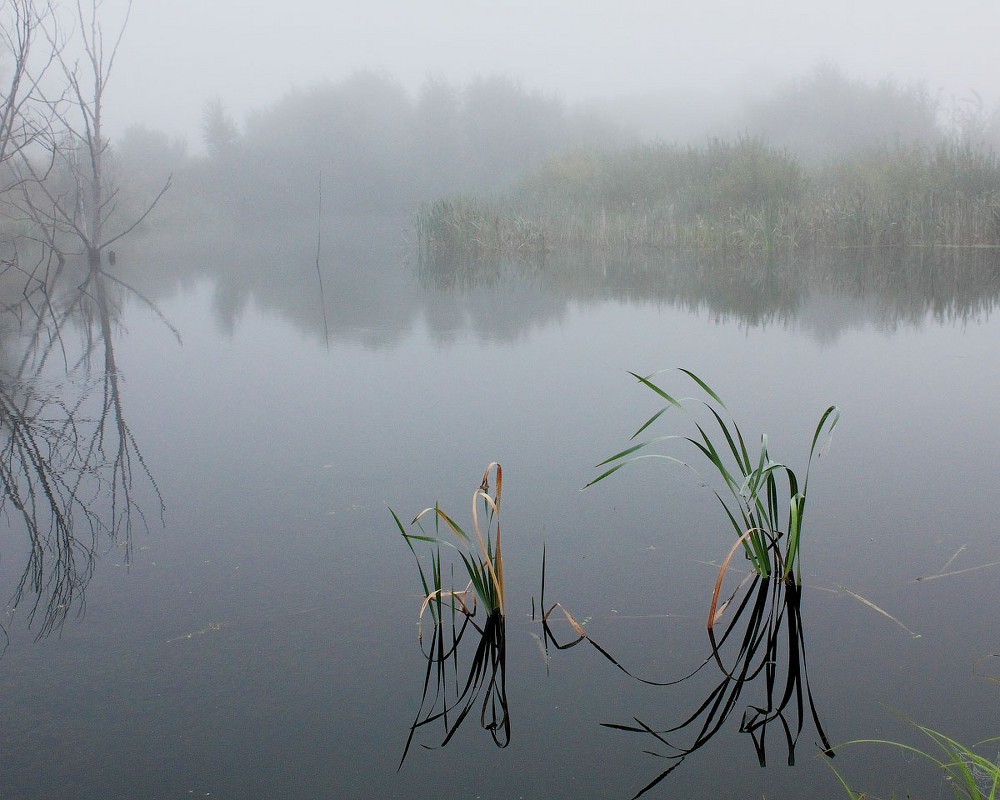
pixel 175 57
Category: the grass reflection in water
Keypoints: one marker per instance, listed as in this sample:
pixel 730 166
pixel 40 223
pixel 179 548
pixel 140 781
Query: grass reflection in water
pixel 761 648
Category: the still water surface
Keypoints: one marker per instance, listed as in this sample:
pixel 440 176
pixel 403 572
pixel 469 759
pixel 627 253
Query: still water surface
pixel 262 642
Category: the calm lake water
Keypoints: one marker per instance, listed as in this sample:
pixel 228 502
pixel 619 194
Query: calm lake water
pixel 262 643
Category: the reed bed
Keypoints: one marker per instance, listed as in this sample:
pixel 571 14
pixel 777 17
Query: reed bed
pixel 734 200
pixel 469 229
pixel 910 196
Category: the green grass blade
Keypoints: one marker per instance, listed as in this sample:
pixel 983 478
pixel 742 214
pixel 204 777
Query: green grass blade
pixel 705 387
pixel 833 415
pixel 752 483
pixel 650 421
pixel 648 383
pixel 709 451
pixel 740 454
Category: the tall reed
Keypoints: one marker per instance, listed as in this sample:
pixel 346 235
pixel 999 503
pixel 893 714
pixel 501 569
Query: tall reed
pixel 753 484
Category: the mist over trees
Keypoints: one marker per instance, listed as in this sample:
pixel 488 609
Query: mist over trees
pixel 826 162
pixel 365 145
pixel 826 116
pixel 379 149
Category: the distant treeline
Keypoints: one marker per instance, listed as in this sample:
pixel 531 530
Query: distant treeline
pixel 375 147
pixel 825 161
pixel 582 208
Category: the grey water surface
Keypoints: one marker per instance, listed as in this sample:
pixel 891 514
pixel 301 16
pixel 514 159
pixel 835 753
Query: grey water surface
pixel 261 641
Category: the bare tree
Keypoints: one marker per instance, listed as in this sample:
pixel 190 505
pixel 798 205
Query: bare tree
pixel 71 470
pixel 68 458
pixel 26 136
pixel 82 201
pixel 21 123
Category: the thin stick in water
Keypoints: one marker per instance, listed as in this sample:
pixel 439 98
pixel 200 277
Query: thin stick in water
pixel 319 274
pixel 956 572
pixel 881 611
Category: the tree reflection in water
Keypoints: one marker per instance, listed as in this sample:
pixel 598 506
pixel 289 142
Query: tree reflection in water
pixel 69 462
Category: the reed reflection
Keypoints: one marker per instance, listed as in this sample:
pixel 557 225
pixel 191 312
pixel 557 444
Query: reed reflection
pixel 887 286
pixel 760 650
pixel 452 690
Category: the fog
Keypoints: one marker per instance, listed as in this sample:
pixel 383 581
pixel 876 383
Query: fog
pixel 177 55
pixel 303 263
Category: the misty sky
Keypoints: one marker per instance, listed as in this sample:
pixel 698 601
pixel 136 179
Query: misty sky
pixel 178 53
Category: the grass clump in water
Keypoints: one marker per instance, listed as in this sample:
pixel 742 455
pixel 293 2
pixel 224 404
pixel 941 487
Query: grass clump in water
pixel 480 552
pixel 450 691
pixel 754 485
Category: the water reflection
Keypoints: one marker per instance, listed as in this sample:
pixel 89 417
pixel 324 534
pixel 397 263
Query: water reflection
pixel 761 649
pixel 887 287
pixel 456 691
pixel 69 463
pixel 378 288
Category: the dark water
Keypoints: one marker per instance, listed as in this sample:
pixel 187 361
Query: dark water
pixel 262 641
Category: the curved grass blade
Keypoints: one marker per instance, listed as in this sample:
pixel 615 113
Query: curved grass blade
pixel 752 483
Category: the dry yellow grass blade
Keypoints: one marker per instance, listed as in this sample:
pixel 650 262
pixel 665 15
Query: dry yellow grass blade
pixel 881 611
pixel 950 560
pixel 956 571
pixel 443 593
pixel 494 562
pixel 569 618
pixel 482 558
pixel 713 614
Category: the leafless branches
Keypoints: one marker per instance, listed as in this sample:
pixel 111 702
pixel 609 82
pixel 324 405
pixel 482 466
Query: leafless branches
pixel 23 118
pixel 69 462
pixel 66 192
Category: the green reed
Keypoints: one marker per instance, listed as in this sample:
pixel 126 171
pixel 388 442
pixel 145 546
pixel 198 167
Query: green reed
pixel 971 775
pixel 479 552
pixel 754 484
